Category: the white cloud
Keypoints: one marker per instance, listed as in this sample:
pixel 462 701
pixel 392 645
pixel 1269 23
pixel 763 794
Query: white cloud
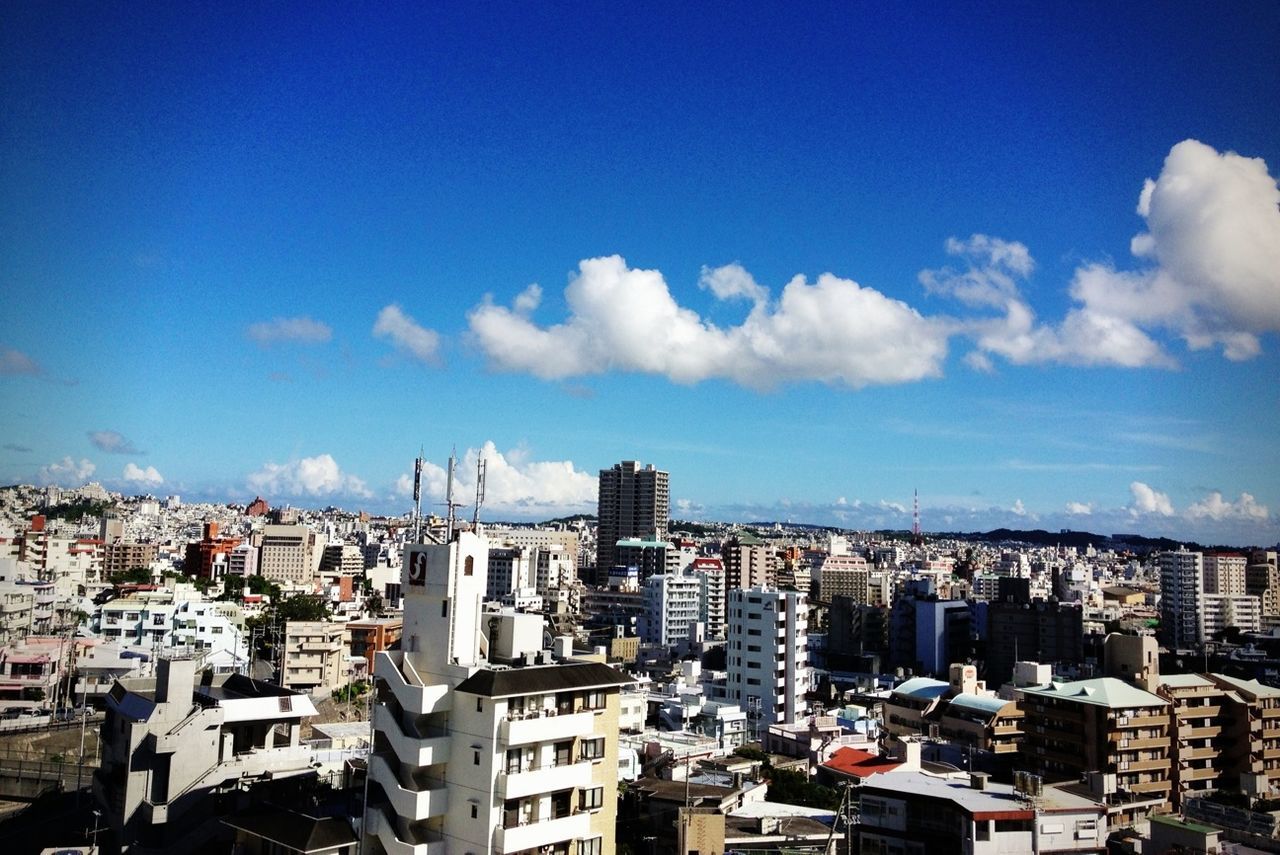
pixel 1018 508
pixel 991 278
pixel 303 330
pixel 409 336
pixel 1214 507
pixel 732 281
pixel 624 319
pixel 1148 501
pixel 66 472
pixel 529 299
pixel 310 476
pixel 515 484
pixel 135 474
pixel 1079 509
pixel 112 442
pixel 16 362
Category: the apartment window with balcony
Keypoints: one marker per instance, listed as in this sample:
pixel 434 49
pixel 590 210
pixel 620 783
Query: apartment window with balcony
pixel 591 799
pixel 564 752
pixel 560 803
pixel 594 700
pixel 593 846
pixel 593 749
pixel 513 760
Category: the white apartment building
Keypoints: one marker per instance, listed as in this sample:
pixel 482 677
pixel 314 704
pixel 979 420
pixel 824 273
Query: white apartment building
pixel 710 575
pixel 243 560
pixel 170 747
pixel 482 743
pixel 767 655
pixel 554 569
pixel 510 569
pixel 843 576
pixel 314 656
pixel 1181 590
pixel 1219 611
pixel 672 603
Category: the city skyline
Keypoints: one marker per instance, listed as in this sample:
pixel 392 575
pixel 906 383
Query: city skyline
pixel 1027 265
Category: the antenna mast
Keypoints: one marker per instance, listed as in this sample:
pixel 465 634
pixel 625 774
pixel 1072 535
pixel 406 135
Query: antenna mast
pixel 480 467
pixel 417 498
pixel 448 496
pixel 915 519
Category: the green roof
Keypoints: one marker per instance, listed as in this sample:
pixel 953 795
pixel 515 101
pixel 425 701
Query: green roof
pixel 1185 824
pixel 1101 691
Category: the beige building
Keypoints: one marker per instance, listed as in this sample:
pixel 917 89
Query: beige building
pixel 1108 729
pixel 287 554
pixel 314 656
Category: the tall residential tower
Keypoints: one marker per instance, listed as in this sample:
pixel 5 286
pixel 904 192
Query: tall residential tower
pixel 635 502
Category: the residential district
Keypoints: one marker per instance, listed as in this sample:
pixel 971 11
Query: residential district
pixel 245 678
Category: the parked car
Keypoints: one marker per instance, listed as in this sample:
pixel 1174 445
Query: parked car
pixel 11 713
pixel 35 712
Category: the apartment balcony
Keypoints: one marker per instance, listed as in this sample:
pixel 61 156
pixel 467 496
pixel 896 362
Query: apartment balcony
pixel 1271 753
pixel 1143 765
pixel 1189 754
pixel 408 687
pixel 545 728
pixel 1149 787
pixel 382 825
pixel 1126 744
pixel 1207 773
pixel 1199 711
pixel 1271 713
pixel 1211 731
pixel 515 785
pixel 171 742
pixel 538 834
pixel 1147 719
pixel 426 750
pixel 415 802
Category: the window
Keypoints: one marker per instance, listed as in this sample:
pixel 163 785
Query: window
pixel 444 608
pixel 469 566
pixel 479 704
pixel 513 761
pixel 594 700
pixel 475 757
pixel 591 799
pixel 753 681
pixel 564 751
pixel 475 811
pixel 594 846
pixel 753 632
pixel 593 749
pixel 982 830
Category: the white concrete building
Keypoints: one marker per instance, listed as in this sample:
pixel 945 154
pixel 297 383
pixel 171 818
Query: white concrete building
pixel 671 605
pixel 314 656
pixel 484 742
pixel 169 746
pixel 1181 590
pixel 767 656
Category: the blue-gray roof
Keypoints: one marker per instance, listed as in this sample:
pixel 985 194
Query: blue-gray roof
pixel 923 688
pixel 979 703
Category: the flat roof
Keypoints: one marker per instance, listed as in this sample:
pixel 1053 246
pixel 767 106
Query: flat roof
pixel 995 799
pixel 1184 824
pixel 922 687
pixel 535 679
pixel 1185 681
pixel 1253 687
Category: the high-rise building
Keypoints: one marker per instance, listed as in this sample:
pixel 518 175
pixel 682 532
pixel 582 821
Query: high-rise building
pixel 748 561
pixel 1181 587
pixel 287 553
pixel 1224 573
pixel 485 742
pixel 634 502
pixel 767 657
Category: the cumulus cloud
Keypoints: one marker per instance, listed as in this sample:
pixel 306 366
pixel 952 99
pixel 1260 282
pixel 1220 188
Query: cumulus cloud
pixel 1149 501
pixel 309 476
pixel 1018 508
pixel 15 362
pixel 66 472
pixel 302 330
pixel 1214 507
pixel 149 477
pixel 1210 274
pixel 515 484
pixel 832 330
pixel 1079 509
pixel 410 337
pixel 112 442
pixel 991 280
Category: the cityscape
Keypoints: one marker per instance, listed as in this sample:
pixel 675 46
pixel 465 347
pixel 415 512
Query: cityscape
pixel 586 429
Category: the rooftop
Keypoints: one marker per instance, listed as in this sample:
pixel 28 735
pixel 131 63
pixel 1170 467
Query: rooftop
pixel 539 679
pixel 979 703
pixel 922 688
pixel 1100 691
pixel 982 804
pixel 859 763
pixel 1252 687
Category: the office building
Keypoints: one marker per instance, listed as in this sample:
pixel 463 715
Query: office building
pixel 671 607
pixel 287 554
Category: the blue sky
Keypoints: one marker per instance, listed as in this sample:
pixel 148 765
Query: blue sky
pixel 276 250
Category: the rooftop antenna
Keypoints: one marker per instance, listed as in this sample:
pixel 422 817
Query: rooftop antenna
pixel 417 497
pixel 915 519
pixel 480 467
pixel 448 496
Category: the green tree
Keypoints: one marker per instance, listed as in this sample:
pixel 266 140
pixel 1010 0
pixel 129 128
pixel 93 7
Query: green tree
pixel 373 604
pixel 789 786
pixel 136 575
pixel 305 607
